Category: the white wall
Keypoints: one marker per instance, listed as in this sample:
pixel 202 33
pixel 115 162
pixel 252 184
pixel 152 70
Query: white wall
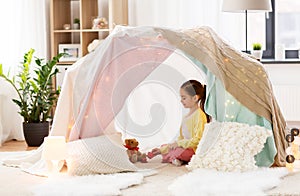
pixel 284 74
pixel 190 13
pixel 286 86
pixel 24 25
pixel 186 14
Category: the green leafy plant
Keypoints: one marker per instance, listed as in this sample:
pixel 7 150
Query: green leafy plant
pixel 256 46
pixel 76 21
pixel 36 95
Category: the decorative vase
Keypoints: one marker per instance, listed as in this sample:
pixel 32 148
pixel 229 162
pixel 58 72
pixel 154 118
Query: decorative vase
pixel 34 133
pixel 257 54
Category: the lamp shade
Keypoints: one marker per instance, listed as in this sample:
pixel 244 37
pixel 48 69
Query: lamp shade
pixel 249 5
pixel 54 148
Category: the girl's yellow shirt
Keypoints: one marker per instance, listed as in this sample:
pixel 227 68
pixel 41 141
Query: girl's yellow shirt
pixel 195 126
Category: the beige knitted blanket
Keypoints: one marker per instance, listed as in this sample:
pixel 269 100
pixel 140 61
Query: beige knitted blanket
pixel 242 76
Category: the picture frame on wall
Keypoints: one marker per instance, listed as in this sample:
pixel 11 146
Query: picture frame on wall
pixel 72 52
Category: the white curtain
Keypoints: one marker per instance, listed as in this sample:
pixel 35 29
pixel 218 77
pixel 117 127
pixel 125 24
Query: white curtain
pixel 188 13
pixel 24 25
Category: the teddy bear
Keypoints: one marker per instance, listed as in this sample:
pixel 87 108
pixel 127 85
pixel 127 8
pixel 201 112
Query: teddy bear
pixel 133 151
pixel 100 23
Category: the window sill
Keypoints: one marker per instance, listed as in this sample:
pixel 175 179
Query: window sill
pixel 284 61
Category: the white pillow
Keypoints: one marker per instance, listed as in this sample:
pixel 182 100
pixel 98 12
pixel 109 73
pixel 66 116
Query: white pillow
pixel 98 155
pixel 229 146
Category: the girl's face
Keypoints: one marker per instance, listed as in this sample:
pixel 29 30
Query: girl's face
pixel 187 100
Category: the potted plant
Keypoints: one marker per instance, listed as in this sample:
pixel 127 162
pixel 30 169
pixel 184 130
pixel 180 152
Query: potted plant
pixel 36 96
pixel 76 23
pixel 257 51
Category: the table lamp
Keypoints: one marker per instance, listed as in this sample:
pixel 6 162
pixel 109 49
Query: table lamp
pixel 245 6
pixel 54 152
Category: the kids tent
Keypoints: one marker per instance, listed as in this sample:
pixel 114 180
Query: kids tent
pixel 112 84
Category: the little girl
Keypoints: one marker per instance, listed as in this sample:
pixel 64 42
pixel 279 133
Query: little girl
pixel 193 95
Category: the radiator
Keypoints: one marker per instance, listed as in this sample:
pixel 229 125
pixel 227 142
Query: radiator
pixel 288 98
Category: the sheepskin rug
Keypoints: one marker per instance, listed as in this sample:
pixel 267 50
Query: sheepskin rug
pixel 87 185
pixel 220 183
pixel 14 181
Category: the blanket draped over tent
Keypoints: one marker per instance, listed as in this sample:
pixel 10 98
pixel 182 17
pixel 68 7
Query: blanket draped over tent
pixel 242 76
pixel 96 87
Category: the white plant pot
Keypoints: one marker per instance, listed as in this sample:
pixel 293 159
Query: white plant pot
pixel 75 26
pixel 257 54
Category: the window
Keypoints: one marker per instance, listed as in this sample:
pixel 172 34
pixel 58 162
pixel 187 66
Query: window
pixel 256 28
pixel 283 28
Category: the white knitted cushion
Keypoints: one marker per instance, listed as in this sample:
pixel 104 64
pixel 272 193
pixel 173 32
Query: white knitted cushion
pixel 229 146
pixel 98 155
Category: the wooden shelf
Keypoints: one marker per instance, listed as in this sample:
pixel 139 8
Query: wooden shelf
pixel 67 31
pixel 79 31
pixel 95 30
pixel 65 11
pixel 66 63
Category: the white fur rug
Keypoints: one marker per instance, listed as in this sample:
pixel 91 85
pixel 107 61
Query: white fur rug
pixel 13 181
pixel 211 182
pixel 87 185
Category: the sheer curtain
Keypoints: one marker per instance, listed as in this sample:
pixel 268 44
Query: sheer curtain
pixel 24 25
pixel 186 14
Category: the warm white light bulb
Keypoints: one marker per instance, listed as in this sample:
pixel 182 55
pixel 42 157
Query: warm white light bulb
pixel 54 152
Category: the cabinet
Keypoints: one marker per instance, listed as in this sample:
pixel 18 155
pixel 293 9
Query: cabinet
pixel 64 12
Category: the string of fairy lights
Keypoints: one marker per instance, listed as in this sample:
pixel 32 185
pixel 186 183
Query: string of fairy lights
pixel 292 151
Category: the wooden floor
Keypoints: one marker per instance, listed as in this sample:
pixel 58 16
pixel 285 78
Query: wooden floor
pixel 13 145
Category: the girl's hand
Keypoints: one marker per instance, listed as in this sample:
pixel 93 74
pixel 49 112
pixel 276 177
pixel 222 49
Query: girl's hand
pixel 153 153
pixel 156 151
pixel 173 145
